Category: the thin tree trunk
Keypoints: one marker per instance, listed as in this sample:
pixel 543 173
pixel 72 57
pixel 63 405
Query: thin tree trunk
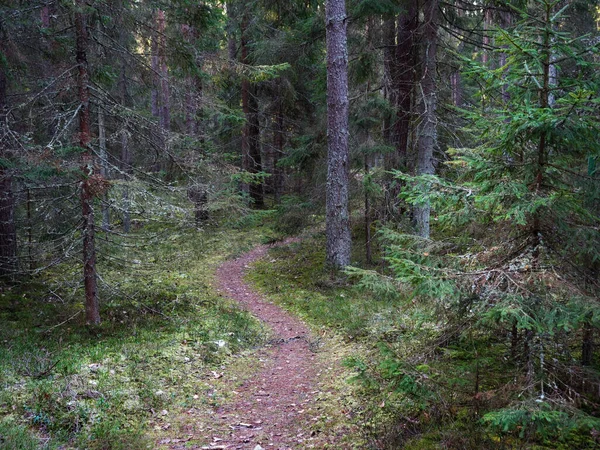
pixel 190 108
pixel 507 21
pixel 338 244
pixel 427 138
pixel 231 42
pixel 368 246
pixel 154 64
pixel 246 160
pixel 487 25
pixel 126 157
pixel 544 102
pixel 8 229
pixel 389 61
pixel 278 145
pixel 165 112
pixel 103 167
pixel 87 193
pixel 255 159
pixel 404 78
pixel 455 77
pixel 587 345
pixel 45 15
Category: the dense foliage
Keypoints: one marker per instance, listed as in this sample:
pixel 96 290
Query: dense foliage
pixel 129 127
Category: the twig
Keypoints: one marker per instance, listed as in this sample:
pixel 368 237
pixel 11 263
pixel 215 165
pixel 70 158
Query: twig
pixel 62 323
pixel 47 371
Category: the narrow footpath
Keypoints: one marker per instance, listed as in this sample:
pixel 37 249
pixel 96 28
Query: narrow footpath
pixel 274 406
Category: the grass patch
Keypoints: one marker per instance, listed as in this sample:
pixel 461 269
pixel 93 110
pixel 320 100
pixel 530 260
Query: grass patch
pixel 423 377
pixel 164 328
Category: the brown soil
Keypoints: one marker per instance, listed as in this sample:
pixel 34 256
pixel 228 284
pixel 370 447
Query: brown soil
pixel 273 408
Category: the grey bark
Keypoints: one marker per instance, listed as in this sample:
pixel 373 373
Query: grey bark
pixel 103 155
pixel 389 38
pixel 338 160
pixel 427 138
pixel 126 156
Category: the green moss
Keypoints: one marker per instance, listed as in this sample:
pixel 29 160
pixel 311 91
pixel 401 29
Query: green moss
pixel 164 329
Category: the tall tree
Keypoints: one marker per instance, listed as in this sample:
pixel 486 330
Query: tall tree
pixel 338 159
pixel 403 79
pixel 89 182
pixel 427 137
pixel 251 155
pixel 8 232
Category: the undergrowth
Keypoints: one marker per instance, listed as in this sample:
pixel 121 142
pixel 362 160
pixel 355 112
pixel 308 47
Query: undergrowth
pixel 64 385
pixel 432 370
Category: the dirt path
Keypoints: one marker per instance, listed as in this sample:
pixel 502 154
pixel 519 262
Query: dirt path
pixel 273 405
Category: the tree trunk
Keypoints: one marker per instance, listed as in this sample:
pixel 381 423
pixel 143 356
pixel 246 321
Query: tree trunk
pixel 487 25
pixel 245 106
pixel 278 145
pixel 404 77
pixel 587 345
pixel 338 161
pixel 87 192
pixel 230 28
pixel 507 21
pixel 45 15
pixel 154 64
pixel 165 112
pixel 544 102
pixel 255 159
pixel 126 156
pixel 427 138
pixel 251 158
pixel 389 62
pixel 8 229
pixel 368 245
pixel 190 107
pixel 103 167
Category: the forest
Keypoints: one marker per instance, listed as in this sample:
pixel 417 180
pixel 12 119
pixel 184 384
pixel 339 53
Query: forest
pixel 294 224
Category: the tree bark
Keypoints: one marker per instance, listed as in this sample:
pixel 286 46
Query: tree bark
pixel 126 156
pixel 278 145
pixel 507 21
pixel 255 158
pixel 389 62
pixel 155 67
pixel 231 42
pixel 487 25
pixel 8 229
pixel 338 161
pixel 103 166
pixel 165 112
pixel 245 105
pixel 404 80
pixel 251 158
pixel 587 344
pixel 427 138
pixel 87 190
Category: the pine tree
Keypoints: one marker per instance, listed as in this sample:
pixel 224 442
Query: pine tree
pixel 338 166
pixel 89 178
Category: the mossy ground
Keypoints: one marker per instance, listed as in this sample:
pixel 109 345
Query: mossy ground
pixel 164 330
pixel 416 385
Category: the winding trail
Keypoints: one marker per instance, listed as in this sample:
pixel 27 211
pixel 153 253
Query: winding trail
pixel 272 407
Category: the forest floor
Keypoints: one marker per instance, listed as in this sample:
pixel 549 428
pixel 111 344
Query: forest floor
pixel 284 395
